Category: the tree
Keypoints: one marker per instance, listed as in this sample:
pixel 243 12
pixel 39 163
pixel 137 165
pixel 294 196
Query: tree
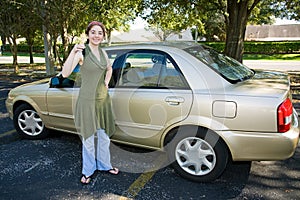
pixel 237 14
pixel 57 17
pixel 262 14
pixel 114 14
pixel 11 17
pixel 161 18
pixel 165 17
pixel 32 27
pixel 226 19
pixel 289 9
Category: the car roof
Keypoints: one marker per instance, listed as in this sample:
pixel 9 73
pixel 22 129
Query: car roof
pixel 155 45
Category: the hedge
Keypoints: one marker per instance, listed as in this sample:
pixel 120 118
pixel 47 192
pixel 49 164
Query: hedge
pixel 281 47
pixel 262 47
pixel 25 48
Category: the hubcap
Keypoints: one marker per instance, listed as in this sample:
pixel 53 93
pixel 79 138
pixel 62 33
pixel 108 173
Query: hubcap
pixel 195 156
pixel 30 123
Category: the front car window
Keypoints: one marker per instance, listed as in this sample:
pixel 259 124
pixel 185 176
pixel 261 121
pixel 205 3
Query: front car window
pixel 227 67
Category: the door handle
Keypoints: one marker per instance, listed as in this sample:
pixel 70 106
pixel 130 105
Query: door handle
pixel 173 100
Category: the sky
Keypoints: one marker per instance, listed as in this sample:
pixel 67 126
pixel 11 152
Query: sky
pixel 138 23
pixel 285 21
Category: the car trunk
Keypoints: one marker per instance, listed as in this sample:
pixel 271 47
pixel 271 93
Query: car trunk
pixel 258 100
pixel 266 84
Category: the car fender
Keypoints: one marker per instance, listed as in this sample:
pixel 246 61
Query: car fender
pixel 198 121
pixel 20 99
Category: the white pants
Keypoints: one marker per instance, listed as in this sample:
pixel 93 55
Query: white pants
pixel 95 153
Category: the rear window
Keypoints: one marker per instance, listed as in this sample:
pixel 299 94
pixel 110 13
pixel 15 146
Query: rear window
pixel 232 70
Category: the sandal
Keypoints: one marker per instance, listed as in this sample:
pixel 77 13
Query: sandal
pixel 113 171
pixel 85 179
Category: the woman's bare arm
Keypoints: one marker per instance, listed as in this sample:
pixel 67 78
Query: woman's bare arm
pixel 109 70
pixel 108 75
pixel 73 59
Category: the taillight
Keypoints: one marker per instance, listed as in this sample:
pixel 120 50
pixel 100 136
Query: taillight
pixel 285 112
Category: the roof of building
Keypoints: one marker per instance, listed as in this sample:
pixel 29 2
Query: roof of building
pixel 143 35
pixel 273 32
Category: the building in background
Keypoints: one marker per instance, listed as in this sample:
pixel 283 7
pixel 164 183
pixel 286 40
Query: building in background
pixel 143 35
pixel 286 32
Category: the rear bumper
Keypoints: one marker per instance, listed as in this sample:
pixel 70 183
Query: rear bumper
pixel 251 146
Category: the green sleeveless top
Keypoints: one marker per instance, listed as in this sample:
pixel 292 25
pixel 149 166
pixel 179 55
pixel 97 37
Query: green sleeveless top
pixel 93 107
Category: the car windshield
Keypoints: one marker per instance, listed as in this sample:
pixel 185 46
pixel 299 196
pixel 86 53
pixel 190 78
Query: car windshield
pixel 232 70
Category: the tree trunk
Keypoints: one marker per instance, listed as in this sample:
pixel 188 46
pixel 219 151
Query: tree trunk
pixel 3 39
pixel 108 37
pixel 48 55
pixel 65 43
pixel 14 52
pixel 55 51
pixel 236 22
pixel 15 57
pixel 31 53
pixel 236 28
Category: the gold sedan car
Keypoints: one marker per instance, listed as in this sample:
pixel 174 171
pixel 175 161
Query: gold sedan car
pixel 200 106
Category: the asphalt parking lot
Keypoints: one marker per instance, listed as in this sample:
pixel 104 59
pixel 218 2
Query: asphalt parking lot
pixel 51 169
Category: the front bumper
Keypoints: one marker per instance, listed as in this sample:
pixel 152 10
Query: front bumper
pixel 9 107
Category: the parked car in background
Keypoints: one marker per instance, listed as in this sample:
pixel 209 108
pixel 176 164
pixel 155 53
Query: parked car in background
pixel 200 106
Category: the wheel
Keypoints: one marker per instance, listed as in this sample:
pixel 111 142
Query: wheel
pixel 197 154
pixel 28 123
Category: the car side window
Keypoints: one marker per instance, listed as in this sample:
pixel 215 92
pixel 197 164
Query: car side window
pixel 150 70
pixel 74 80
pixel 171 77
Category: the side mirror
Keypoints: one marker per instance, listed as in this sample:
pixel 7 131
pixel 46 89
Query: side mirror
pixel 54 82
pixel 61 82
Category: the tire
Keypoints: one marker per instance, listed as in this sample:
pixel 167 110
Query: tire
pixel 28 123
pixel 197 154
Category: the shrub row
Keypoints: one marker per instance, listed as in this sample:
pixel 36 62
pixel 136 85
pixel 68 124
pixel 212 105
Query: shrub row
pixel 249 47
pixel 281 47
pixel 25 48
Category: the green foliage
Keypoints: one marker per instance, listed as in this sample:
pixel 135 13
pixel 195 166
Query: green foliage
pixel 165 17
pixel 289 9
pixel 280 47
pixel 263 13
pixel 271 57
pixel 251 47
pixel 25 48
pixel 114 14
pixel 67 19
pixel 218 46
pixel 272 47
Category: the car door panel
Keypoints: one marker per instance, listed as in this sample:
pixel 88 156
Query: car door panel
pixel 149 96
pixel 142 114
pixel 60 103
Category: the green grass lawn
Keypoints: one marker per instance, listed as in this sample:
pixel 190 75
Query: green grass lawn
pixel 271 57
pixel 23 54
